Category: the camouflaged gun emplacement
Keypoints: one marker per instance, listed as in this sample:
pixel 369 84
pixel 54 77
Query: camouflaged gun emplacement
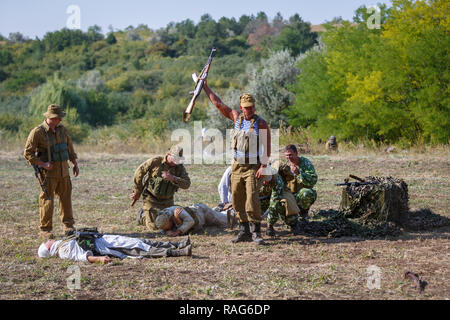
pixel 377 199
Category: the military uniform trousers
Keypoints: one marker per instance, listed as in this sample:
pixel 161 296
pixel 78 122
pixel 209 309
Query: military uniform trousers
pixel 245 192
pixel 62 187
pixel 305 198
pixel 152 206
pixel 277 210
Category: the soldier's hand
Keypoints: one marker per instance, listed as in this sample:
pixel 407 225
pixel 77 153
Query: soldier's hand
pixel 171 233
pixel 259 173
pixel 166 175
pixel 105 260
pixel 135 197
pixel 76 171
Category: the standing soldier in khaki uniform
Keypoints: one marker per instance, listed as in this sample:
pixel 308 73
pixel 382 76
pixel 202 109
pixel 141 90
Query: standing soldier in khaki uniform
pixel 49 146
pixel 247 167
pixel 157 179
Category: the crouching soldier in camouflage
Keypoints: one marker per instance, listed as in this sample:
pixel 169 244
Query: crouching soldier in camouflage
pixel 163 177
pixel 181 220
pixel 282 203
pixel 303 180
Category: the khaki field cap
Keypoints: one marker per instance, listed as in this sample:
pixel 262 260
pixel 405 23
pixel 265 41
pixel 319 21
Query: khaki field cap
pixel 54 111
pixel 247 100
pixel 177 153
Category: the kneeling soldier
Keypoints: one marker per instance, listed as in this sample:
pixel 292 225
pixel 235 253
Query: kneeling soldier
pixel 163 177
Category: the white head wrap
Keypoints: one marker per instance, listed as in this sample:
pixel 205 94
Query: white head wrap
pixel 43 252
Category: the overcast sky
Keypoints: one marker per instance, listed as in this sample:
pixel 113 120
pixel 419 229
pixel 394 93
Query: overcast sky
pixel 34 18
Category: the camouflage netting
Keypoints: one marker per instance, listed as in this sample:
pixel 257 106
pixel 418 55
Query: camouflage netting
pixel 334 224
pixel 372 210
pixel 386 199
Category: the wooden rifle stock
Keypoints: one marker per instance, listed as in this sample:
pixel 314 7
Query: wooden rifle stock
pixel 199 81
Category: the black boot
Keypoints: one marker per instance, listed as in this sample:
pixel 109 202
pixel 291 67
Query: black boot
pixel 270 231
pixel 295 229
pixel 244 234
pixel 186 251
pixel 256 233
pixel 303 213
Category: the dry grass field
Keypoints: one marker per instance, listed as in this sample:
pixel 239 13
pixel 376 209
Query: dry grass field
pixel 287 267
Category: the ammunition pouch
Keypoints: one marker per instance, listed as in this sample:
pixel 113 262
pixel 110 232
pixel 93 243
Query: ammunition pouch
pixel 161 188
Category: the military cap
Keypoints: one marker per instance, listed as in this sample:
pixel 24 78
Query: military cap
pixel 54 111
pixel 247 100
pixel 176 152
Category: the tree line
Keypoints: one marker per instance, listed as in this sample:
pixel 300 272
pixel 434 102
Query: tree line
pixel 388 84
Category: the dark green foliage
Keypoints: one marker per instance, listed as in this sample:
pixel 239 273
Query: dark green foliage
pixel 5 58
pixel 59 40
pixel 387 85
pixel 111 39
pixel 296 36
pixel 22 80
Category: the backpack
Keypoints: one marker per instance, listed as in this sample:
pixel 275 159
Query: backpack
pixel 85 238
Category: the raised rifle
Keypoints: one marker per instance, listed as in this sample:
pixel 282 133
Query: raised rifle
pixel 199 80
pixel 41 179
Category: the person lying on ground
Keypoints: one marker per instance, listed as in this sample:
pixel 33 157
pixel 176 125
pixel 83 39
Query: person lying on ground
pixel 96 247
pixel 178 220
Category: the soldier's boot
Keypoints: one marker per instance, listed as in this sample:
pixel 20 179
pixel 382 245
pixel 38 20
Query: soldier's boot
pixel 256 233
pixel 304 213
pixel 295 229
pixel 244 234
pixel 46 235
pixel 184 243
pixel 140 217
pixel 270 231
pixel 186 251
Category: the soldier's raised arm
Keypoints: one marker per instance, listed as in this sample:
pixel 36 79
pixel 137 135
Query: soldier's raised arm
pixel 222 107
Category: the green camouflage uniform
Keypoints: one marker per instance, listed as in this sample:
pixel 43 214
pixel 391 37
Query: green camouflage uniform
pixel 277 210
pixel 301 184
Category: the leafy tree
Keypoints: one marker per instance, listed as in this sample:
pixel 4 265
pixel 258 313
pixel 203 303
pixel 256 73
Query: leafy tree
pixel 269 84
pixel 186 28
pixel 5 58
pixel 111 39
pixel 296 36
pixel 58 92
pixel 17 37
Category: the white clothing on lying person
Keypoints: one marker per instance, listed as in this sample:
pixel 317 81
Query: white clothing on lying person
pixel 105 245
